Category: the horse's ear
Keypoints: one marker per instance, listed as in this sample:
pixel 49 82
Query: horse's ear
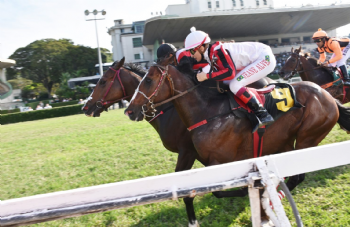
pixel 120 63
pixel 307 55
pixel 167 60
pixel 299 50
pixel 292 50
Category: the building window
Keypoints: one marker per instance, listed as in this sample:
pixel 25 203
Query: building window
pixel 122 30
pixel 209 4
pixel 217 4
pixel 242 3
pixel 137 56
pixel 234 3
pixel 137 42
pixel 257 2
pixel 139 28
pixel 265 2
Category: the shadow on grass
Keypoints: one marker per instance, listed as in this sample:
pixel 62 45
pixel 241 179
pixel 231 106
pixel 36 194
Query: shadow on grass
pixel 210 211
pixel 322 178
pixel 214 212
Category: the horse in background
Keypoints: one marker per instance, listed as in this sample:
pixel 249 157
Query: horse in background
pixel 309 70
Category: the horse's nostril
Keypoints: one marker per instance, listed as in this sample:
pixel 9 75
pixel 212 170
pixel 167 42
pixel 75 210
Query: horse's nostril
pixel 128 113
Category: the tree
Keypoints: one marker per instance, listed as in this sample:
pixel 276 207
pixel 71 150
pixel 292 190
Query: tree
pixel 41 61
pixel 45 61
pixel 19 83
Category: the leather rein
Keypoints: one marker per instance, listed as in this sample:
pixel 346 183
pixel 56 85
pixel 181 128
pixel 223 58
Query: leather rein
pixel 295 70
pixel 165 75
pixel 102 103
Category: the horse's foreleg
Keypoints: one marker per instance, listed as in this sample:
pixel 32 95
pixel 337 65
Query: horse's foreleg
pixel 295 180
pixel 185 161
pixel 242 192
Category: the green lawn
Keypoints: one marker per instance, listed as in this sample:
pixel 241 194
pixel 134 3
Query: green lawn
pixel 76 151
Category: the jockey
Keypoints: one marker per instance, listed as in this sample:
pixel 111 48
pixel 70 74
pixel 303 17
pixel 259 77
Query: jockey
pixel 339 48
pixel 253 60
pixel 166 50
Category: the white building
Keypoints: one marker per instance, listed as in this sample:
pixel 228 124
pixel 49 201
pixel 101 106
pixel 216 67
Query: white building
pixel 127 42
pixel 201 6
pixel 239 20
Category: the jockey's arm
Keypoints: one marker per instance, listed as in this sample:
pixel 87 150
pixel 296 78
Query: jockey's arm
pixel 226 68
pixel 322 55
pixel 335 46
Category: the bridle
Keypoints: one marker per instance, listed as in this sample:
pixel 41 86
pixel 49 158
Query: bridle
pixel 295 70
pixel 102 103
pixel 150 98
pixel 165 74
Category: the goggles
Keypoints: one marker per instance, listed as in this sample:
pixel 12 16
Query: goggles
pixel 193 51
pixel 317 40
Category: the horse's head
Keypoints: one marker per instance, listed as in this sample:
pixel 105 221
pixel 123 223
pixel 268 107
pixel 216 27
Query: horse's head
pixel 292 65
pixel 156 86
pixel 168 60
pixel 109 89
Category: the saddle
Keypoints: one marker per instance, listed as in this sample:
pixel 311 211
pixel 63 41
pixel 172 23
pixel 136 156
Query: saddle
pixel 337 76
pixel 277 98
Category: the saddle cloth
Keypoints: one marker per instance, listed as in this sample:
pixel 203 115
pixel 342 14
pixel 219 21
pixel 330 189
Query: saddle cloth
pixel 277 98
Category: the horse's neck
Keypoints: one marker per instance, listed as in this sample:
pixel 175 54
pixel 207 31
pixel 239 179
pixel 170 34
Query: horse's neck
pixel 313 74
pixel 192 108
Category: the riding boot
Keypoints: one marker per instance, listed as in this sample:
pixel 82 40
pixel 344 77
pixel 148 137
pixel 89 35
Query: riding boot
pixel 344 71
pixel 261 113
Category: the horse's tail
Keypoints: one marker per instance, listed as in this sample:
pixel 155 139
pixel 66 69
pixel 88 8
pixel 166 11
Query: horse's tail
pixel 344 116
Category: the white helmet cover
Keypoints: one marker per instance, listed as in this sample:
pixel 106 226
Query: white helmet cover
pixel 196 38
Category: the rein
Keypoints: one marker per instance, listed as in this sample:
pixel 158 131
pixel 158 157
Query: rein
pixel 295 70
pixel 150 99
pixel 102 102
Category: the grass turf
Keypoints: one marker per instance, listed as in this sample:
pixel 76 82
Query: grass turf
pixel 76 151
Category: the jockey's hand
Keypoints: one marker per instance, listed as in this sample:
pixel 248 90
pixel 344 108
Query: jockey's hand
pixel 326 63
pixel 201 76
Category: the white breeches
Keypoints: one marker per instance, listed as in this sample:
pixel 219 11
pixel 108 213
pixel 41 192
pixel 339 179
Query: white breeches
pixel 260 68
pixel 346 56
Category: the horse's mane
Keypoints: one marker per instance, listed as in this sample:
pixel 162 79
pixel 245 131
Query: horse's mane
pixel 207 88
pixel 314 62
pixel 133 68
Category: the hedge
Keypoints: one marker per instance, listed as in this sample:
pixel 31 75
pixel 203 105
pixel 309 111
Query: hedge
pixel 40 114
pixel 10 111
pixel 64 103
pixel 35 104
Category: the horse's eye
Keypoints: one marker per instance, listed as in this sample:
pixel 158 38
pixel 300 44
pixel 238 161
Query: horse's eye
pixel 148 80
pixel 102 82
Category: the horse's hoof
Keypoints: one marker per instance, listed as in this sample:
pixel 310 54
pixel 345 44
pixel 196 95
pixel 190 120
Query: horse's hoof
pixel 267 223
pixel 193 225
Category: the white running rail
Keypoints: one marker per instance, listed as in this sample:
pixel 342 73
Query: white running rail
pixel 63 204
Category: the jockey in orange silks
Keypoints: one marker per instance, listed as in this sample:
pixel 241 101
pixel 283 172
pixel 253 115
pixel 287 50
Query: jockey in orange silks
pixel 339 48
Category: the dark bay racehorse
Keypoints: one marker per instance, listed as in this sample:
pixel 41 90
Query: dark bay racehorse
pixel 229 138
pixel 172 131
pixel 309 70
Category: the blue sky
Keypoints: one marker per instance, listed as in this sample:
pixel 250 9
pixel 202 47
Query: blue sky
pixel 24 21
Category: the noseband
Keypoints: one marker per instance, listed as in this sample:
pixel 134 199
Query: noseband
pixel 102 102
